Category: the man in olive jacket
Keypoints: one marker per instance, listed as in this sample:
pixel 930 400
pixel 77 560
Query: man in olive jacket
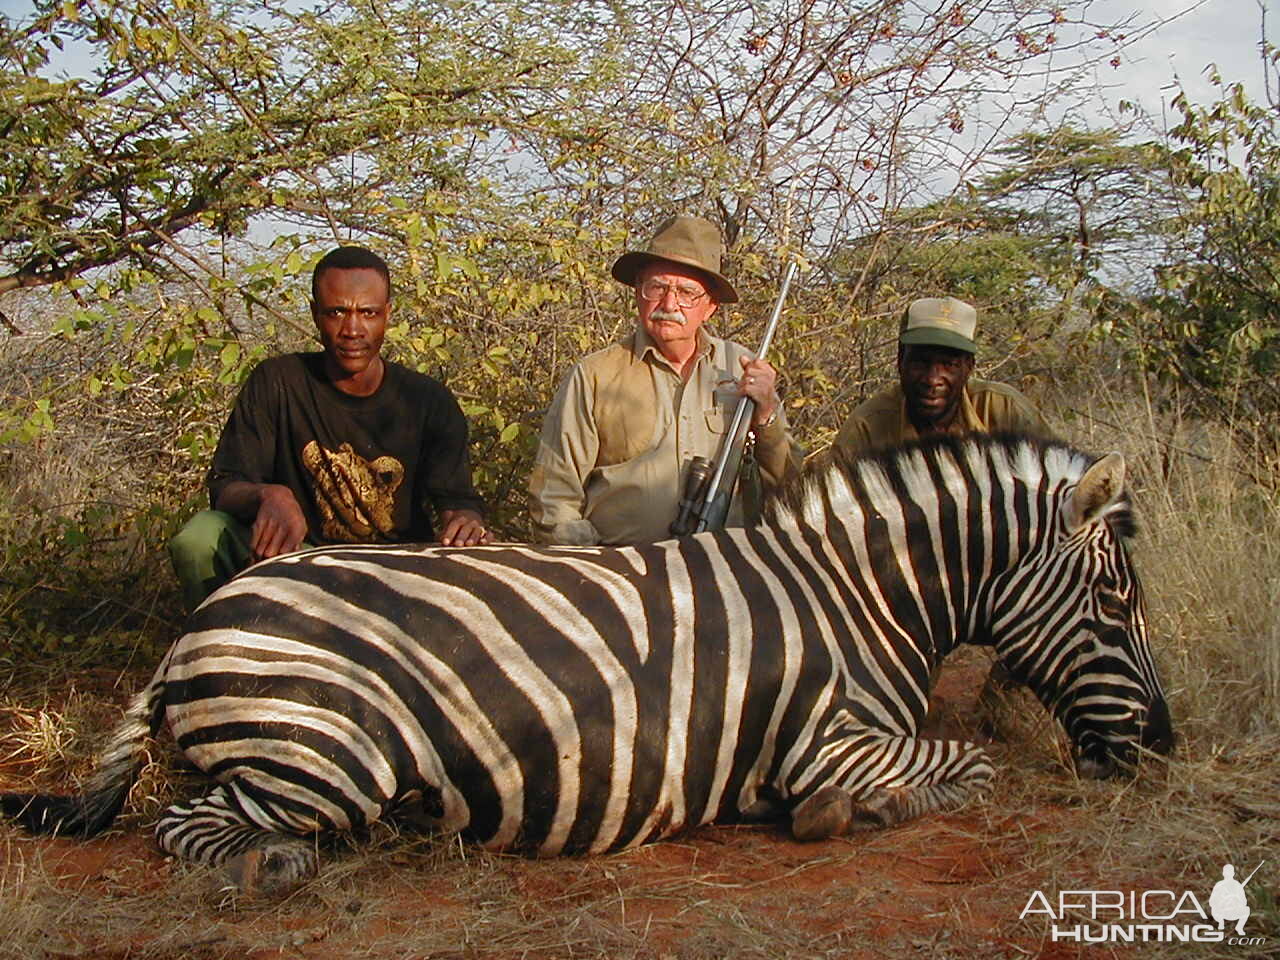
pixel 935 392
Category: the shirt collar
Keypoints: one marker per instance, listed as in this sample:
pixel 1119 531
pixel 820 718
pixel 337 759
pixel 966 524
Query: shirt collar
pixel 966 421
pixel 644 345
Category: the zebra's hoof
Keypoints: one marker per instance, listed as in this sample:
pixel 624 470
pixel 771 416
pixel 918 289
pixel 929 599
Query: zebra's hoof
pixel 825 814
pixel 1095 768
pixel 270 871
pixel 879 810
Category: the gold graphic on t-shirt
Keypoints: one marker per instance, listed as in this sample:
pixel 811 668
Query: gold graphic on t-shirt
pixel 355 497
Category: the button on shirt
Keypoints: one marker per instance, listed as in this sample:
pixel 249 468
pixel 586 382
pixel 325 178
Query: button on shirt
pixel 619 436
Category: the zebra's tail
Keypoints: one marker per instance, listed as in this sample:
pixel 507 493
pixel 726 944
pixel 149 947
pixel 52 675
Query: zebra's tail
pixel 92 810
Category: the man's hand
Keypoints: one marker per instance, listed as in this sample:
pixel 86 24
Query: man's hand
pixel 462 528
pixel 759 381
pixel 279 526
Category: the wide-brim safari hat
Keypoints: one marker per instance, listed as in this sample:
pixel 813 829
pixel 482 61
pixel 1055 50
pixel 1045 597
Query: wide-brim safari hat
pixel 692 241
pixel 940 322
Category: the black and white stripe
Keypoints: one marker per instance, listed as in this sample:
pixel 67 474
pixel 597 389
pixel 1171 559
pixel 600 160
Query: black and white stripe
pixel 572 700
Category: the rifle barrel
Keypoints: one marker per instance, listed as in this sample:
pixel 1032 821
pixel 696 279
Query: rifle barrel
pixel 777 311
pixel 743 410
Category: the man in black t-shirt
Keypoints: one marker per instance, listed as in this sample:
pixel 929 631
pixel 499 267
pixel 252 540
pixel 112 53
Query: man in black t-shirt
pixel 334 447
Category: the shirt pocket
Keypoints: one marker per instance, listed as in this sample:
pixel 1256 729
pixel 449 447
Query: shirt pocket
pixel 717 420
pixel 724 403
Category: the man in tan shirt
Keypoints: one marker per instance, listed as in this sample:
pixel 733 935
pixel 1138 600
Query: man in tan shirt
pixel 627 420
pixel 935 392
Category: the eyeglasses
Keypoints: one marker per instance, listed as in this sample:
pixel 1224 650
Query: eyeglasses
pixel 687 295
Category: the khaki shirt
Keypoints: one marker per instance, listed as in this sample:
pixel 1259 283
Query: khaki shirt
pixel 986 407
pixel 619 435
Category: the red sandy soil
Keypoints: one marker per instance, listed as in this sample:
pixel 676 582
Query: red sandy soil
pixel 938 887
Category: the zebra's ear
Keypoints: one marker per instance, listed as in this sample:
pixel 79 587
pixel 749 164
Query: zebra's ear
pixel 1099 488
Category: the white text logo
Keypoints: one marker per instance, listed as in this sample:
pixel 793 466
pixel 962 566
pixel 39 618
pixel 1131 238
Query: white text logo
pixel 1148 916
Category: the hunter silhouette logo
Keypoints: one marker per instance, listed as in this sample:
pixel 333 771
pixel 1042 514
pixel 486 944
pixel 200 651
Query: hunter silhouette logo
pixel 1148 916
pixel 1228 902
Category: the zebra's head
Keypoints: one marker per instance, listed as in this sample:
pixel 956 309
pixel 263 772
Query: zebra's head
pixel 1078 637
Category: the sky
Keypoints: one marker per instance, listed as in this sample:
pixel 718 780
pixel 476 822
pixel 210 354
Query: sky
pixel 1225 32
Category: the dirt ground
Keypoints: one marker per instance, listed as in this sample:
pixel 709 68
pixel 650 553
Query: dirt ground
pixel 944 886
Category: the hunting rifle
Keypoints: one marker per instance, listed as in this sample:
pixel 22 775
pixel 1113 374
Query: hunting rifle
pixel 707 491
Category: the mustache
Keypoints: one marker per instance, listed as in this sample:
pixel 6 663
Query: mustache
pixel 673 316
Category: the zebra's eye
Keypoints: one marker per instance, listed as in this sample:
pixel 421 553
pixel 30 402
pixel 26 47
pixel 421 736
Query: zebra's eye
pixel 1112 606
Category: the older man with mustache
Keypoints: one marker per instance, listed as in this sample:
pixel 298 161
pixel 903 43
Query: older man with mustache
pixel 627 421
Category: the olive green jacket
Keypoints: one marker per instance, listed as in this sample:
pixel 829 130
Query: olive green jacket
pixel 986 407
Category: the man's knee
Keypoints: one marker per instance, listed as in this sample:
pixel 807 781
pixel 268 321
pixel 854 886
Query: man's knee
pixel 201 536
pixel 208 551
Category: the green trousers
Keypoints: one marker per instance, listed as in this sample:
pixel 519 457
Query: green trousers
pixel 211 549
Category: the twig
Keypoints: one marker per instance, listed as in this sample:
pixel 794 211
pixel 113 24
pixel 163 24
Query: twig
pixel 1158 439
pixel 95 596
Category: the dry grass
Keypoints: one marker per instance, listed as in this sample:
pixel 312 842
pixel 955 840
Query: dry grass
pixel 46 744
pixel 1209 553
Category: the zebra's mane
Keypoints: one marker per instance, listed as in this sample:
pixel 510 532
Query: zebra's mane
pixel 804 495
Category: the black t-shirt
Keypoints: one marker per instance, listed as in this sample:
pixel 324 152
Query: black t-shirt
pixel 364 469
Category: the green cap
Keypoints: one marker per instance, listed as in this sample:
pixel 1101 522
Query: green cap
pixel 940 322
pixel 692 241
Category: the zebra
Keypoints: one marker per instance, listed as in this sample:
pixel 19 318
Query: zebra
pixel 578 700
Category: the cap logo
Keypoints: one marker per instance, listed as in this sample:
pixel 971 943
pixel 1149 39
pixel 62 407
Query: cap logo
pixel 944 321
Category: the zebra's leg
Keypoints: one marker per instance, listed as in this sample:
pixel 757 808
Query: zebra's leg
pixel 889 780
pixel 995 702
pixel 215 830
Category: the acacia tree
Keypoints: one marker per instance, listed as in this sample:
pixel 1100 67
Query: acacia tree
pixel 1215 321
pixel 501 152
pixel 809 121
pixel 1097 204
pixel 790 121
pixel 209 113
pixel 1067 217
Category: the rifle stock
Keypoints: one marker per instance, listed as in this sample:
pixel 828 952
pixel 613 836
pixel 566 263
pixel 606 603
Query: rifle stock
pixel 707 507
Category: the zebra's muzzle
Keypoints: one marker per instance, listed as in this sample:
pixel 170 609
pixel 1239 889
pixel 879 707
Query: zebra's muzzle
pixel 1102 759
pixel 1157 729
